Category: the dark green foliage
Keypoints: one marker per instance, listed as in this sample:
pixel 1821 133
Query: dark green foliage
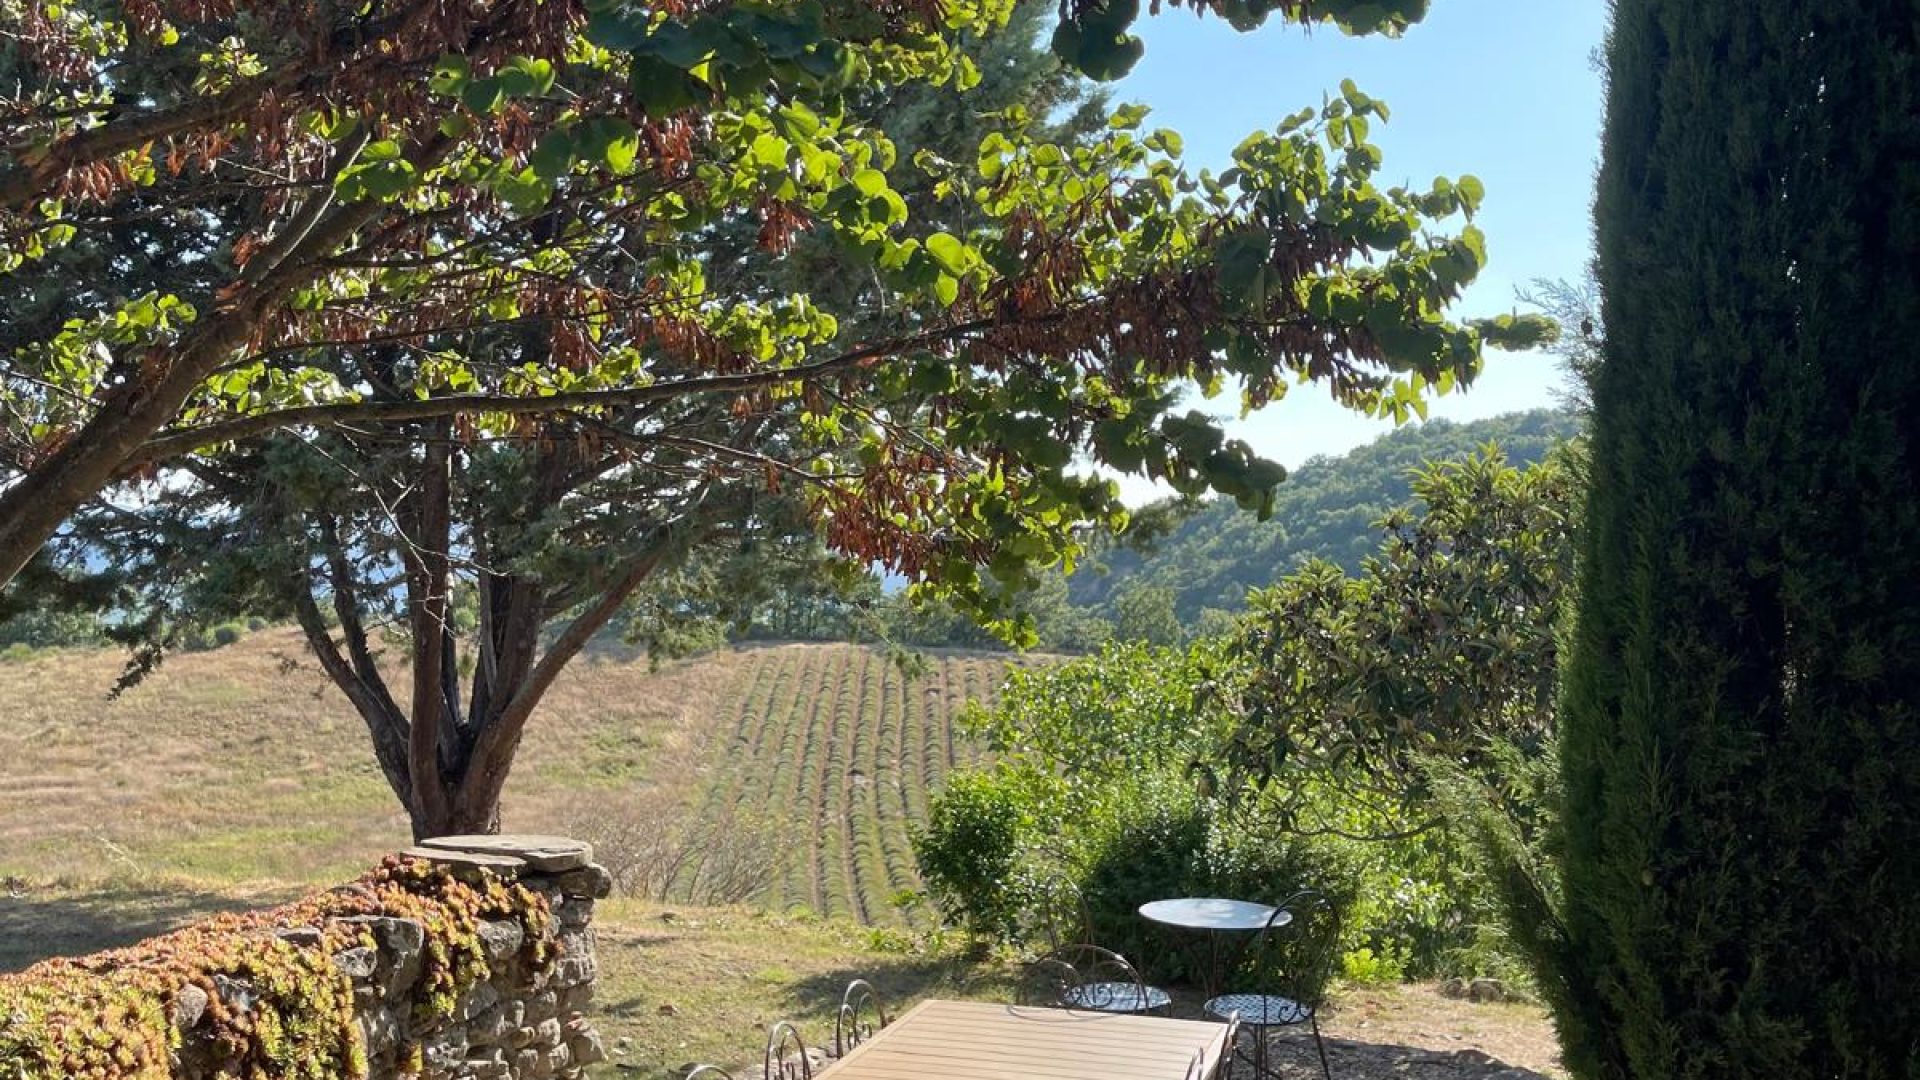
pixel 1326 510
pixel 1173 846
pixel 1741 726
pixel 1443 644
pixel 1103 770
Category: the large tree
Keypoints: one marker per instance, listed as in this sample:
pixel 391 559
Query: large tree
pixel 1741 720
pixel 484 269
pixel 493 561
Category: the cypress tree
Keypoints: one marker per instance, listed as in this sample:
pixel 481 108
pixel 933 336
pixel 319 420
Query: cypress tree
pixel 1741 714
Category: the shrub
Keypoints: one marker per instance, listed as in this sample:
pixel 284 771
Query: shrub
pixel 17 652
pixel 973 850
pixel 228 633
pixel 255 624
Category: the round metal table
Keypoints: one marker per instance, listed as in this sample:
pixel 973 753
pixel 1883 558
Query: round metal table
pixel 1213 915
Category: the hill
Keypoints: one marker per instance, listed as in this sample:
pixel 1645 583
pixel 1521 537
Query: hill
pixel 782 774
pixel 1326 509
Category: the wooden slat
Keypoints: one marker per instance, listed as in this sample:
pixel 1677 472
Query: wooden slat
pixel 967 1040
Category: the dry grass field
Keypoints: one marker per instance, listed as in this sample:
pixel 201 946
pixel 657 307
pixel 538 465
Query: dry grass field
pixel 784 774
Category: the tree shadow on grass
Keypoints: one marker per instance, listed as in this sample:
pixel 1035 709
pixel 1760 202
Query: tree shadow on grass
pixel 900 980
pixel 41 921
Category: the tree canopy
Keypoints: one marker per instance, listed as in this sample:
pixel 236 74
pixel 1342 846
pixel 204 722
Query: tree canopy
pixel 200 199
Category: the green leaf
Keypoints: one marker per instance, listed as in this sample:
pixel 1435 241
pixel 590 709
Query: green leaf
pixel 483 96
pixel 1242 258
pixel 553 156
pixel 949 252
pixel 621 29
pixel 770 151
pixel 946 289
pixel 1471 191
pixel 450 75
pixel 622 150
pixel 661 88
pixel 523 77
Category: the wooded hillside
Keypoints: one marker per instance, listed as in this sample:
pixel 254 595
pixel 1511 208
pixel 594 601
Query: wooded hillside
pixel 1326 508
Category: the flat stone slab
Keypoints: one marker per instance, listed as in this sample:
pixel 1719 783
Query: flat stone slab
pixel 544 854
pixel 468 864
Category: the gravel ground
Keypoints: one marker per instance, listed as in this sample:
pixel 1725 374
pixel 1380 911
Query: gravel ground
pixel 1414 1033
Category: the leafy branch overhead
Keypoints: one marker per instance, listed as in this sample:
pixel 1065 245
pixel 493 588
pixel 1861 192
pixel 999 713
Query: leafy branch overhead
pixel 408 181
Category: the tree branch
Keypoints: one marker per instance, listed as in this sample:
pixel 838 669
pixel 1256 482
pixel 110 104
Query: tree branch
pixel 176 443
pixel 389 743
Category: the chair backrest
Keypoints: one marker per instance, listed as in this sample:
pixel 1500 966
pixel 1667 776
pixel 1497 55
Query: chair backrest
pixel 1060 914
pixel 1295 952
pixel 1080 977
pixel 786 1057
pixel 711 1072
pixel 861 1014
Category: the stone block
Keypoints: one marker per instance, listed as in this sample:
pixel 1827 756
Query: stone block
pixel 542 1005
pixel 380 1028
pixel 586 1047
pixel 502 938
pixel 576 970
pixel 591 881
pixel 572 913
pixel 473 867
pixel 482 997
pixel 189 1005
pixel 542 854
pixel 357 964
pixel 400 943
pixel 575 999
pixel 497 1024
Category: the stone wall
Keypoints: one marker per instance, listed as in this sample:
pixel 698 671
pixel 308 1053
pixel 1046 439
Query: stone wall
pixel 526 1020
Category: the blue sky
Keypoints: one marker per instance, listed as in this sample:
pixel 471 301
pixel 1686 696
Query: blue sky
pixel 1502 89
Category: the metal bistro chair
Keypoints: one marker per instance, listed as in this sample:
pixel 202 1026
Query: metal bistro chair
pixel 1292 963
pixel 786 1057
pixel 1093 978
pixel 861 1014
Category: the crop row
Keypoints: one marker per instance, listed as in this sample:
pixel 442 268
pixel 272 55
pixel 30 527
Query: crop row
pixel 831 751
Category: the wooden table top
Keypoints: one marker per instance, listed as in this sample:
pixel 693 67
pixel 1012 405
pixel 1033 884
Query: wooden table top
pixel 970 1040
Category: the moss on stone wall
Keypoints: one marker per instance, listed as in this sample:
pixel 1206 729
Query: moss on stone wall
pixel 265 995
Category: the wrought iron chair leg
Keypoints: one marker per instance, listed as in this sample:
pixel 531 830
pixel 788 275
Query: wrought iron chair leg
pixel 1321 1045
pixel 1259 1053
